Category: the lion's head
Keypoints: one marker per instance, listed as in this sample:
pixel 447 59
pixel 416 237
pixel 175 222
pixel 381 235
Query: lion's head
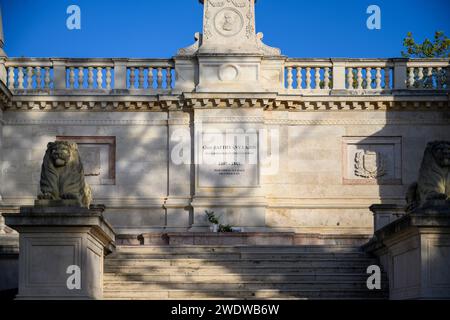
pixel 441 152
pixel 62 153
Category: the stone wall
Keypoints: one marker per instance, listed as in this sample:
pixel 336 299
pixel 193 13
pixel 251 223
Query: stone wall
pixel 332 165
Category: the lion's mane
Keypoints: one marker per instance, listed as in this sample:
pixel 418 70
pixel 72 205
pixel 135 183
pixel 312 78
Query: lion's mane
pixel 66 181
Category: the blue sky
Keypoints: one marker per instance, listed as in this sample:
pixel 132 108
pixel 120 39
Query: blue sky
pixel 157 28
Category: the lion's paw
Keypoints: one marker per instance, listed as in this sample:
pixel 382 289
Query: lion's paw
pixel 69 196
pixel 46 196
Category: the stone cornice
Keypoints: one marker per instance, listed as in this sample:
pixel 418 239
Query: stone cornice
pixel 145 103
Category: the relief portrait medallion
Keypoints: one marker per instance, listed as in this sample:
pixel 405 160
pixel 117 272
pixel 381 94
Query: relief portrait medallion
pixel 228 22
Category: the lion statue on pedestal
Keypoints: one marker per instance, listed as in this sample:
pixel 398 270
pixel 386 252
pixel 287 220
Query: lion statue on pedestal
pixel 434 176
pixel 62 175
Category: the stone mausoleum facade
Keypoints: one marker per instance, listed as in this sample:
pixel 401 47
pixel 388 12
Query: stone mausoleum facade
pixel 273 145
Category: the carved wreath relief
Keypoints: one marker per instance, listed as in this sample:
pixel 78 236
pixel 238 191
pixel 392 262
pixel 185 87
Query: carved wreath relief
pixel 228 21
pixel 370 165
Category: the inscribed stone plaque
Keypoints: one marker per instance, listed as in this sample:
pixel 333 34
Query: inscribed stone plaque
pixel 228 159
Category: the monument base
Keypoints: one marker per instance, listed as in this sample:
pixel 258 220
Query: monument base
pixel 415 251
pixel 61 251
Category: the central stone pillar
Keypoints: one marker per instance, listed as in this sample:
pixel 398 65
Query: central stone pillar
pixel 229 55
pixel 228 168
pixel 61 251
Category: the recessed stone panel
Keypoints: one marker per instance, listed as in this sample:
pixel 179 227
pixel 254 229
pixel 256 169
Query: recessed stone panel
pixel 372 160
pixel 98 155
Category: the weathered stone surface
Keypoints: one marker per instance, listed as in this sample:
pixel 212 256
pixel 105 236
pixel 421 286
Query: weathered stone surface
pixel 52 239
pixel 415 251
pixel 384 214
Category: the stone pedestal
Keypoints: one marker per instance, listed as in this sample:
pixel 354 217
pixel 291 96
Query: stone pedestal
pixel 52 239
pixel 383 214
pixel 415 251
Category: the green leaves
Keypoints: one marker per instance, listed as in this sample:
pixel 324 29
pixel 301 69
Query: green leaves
pixel 213 219
pixel 438 48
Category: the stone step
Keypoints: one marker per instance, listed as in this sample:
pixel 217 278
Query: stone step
pixel 243 255
pixel 245 294
pixel 238 263
pixel 251 286
pixel 232 249
pixel 242 270
pixel 239 272
pixel 235 278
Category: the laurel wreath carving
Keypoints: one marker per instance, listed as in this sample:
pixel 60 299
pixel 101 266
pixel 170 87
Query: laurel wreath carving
pixel 362 172
pixel 217 3
pixel 239 3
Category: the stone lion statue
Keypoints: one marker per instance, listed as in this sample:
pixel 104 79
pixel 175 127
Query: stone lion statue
pixel 434 176
pixel 62 175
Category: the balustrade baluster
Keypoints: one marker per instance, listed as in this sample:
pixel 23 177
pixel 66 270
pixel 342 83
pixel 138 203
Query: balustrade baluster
pixel 350 79
pixel 108 78
pixel 20 78
pixel 168 78
pixel 420 79
pixel 47 79
pixel 359 79
pixel 308 78
pixel 327 78
pixel 299 78
pixel 99 78
pixel 90 77
pixel 317 78
pixel 38 78
pixel 29 78
pixel 429 79
pixel 80 78
pixel 289 78
pixel 11 82
pixel 438 77
pixel 411 78
pixel 368 78
pixel 160 78
pixel 447 77
pixel 387 78
pixel 132 78
pixel 141 78
pixel 150 79
pixel 378 79
pixel 72 78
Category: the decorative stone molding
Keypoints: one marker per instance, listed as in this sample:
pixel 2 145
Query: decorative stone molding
pixel 372 160
pixel 340 122
pixel 230 120
pixel 273 103
pixel 73 122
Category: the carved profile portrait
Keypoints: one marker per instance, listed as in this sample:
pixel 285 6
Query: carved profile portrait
pixel 228 22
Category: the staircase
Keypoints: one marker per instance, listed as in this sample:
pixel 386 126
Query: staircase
pixel 239 272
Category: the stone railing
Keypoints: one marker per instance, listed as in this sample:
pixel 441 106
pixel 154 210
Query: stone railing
pixel 309 76
pixel 31 75
pixel 157 76
pixel 303 76
pixel 428 74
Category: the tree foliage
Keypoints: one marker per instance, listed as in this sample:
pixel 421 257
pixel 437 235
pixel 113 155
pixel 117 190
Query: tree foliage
pixel 438 48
